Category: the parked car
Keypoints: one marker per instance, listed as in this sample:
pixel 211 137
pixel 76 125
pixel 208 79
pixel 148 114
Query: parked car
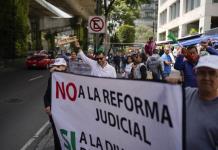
pixel 41 61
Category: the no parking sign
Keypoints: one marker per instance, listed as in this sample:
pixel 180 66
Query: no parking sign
pixel 97 24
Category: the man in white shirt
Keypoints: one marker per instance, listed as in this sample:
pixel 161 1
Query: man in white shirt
pixel 99 66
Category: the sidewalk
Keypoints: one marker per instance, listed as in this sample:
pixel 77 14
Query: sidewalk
pixel 47 142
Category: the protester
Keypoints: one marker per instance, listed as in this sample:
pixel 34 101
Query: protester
pixel 123 59
pixel 150 46
pixel 167 62
pixel 161 50
pixel 61 66
pixel 76 65
pixel 99 67
pixel 206 49
pixel 155 65
pixel 128 66
pixel 139 70
pixel 202 106
pixel 117 62
pixel 90 53
pixel 186 62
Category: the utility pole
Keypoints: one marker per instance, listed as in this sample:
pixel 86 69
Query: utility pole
pixel 97 35
pixel 105 33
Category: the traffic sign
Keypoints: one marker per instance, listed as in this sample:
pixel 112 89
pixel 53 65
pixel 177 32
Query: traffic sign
pixel 97 24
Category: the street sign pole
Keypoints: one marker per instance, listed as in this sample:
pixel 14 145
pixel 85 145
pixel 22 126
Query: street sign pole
pixel 97 35
pixel 105 34
pixel 96 26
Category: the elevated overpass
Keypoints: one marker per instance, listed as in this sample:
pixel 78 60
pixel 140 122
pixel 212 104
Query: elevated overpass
pixel 50 17
pixel 46 18
pixel 83 8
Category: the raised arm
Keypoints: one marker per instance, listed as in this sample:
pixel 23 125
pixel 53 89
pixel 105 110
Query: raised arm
pixel 81 54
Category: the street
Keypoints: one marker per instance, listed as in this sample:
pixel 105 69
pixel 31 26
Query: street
pixel 21 106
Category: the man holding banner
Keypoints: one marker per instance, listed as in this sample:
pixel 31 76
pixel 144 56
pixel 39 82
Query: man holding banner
pixel 202 106
pixel 59 65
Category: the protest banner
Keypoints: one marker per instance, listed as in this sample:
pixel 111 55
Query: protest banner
pixel 93 113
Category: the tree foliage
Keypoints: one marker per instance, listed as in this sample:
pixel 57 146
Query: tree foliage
pixel 193 31
pixel 121 11
pixel 124 14
pixel 131 3
pixel 143 33
pixel 126 34
pixel 7 27
pixel 14 27
pixel 22 26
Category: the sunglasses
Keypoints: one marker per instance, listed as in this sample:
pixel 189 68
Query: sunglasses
pixel 99 58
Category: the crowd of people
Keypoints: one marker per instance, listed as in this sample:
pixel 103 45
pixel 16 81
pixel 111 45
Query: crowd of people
pixel 199 71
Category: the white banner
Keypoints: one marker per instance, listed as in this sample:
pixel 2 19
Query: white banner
pixel 113 114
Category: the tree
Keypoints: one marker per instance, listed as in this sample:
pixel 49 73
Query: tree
pixel 22 26
pixel 126 34
pixel 143 33
pixel 14 27
pixel 130 3
pixel 193 31
pixel 124 14
pixel 120 11
pixel 7 29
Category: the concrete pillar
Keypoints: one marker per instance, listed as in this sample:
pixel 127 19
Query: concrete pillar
pixel 184 30
pixel 180 31
pixel 167 32
pixel 158 37
pixel 204 24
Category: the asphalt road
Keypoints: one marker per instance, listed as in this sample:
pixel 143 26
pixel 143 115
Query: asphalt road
pixel 21 106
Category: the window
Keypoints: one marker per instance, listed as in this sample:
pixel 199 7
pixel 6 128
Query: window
pixel 149 14
pixel 174 10
pixel 162 36
pixel 192 4
pixel 175 31
pixel 163 17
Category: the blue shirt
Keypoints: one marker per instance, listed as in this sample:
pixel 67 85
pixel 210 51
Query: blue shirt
pixel 167 68
pixel 212 50
pixel 201 121
pixel 188 71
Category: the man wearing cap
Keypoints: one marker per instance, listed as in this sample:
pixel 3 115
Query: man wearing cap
pixel 99 67
pixel 202 106
pixel 61 66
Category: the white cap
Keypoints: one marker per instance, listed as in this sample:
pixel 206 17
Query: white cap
pixel 210 61
pixel 59 62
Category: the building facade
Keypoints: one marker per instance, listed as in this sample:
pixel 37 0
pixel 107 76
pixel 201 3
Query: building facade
pixel 186 17
pixel 148 15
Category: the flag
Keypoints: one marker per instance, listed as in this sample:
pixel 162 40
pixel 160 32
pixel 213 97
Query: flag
pixel 172 37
